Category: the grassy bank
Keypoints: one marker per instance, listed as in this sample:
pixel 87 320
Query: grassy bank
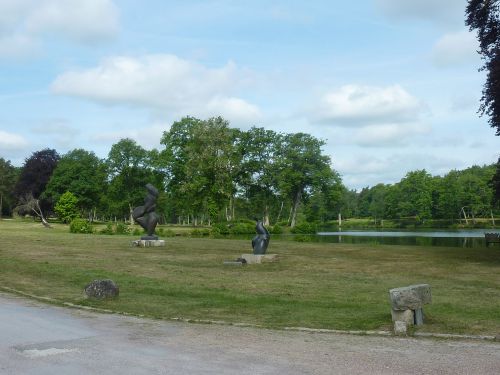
pixel 338 286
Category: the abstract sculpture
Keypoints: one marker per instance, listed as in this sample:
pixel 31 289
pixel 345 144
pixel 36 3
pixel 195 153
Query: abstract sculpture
pixel 145 215
pixel 261 240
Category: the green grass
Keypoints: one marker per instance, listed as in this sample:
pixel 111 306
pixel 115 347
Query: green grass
pixel 317 285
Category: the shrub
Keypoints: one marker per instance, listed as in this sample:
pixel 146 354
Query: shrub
pixel 80 226
pixel 108 229
pixel 304 228
pixel 243 228
pixel 276 229
pixel 200 232
pixel 66 207
pixel 220 228
pixel 122 228
pixel 137 232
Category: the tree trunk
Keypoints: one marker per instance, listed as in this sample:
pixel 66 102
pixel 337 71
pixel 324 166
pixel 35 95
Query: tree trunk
pixel 266 215
pixel 131 217
pixel 296 203
pixel 491 213
pixel 1 204
pixel 279 213
pixel 465 216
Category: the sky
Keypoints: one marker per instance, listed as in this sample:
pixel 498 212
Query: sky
pixel 391 86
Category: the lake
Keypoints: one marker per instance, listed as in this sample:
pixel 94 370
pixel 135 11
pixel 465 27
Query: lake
pixel 461 238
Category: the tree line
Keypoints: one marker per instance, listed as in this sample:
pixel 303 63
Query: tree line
pixel 209 172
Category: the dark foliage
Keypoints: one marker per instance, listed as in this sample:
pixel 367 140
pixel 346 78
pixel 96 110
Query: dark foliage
pixel 35 174
pixel 484 17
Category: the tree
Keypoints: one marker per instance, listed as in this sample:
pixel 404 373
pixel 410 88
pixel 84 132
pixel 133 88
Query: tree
pixel 82 173
pixel 129 170
pixel 495 184
pixel 67 207
pixel 301 168
pixel 34 176
pixel 36 172
pixel 257 178
pixel 8 177
pixel 484 16
pixel 29 204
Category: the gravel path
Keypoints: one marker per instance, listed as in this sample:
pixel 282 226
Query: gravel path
pixel 42 339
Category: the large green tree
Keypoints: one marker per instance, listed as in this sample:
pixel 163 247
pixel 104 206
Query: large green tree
pixel 301 168
pixel 82 173
pixel 130 168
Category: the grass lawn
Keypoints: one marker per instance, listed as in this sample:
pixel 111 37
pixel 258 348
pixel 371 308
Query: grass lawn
pixel 317 285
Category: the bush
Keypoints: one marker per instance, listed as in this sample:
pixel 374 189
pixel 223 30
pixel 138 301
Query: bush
pixel 304 228
pixel 243 228
pixel 137 232
pixel 122 228
pixel 220 228
pixel 200 232
pixel 276 229
pixel 108 229
pixel 81 226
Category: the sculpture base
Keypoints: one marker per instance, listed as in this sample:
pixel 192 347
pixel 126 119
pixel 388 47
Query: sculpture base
pixel 148 243
pixel 153 238
pixel 260 258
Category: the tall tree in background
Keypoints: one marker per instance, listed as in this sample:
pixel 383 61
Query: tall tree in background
pixel 301 168
pixel 8 177
pixel 484 16
pixel 129 170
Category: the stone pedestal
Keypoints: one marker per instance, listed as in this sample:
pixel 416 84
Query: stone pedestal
pixel 259 258
pixel 148 243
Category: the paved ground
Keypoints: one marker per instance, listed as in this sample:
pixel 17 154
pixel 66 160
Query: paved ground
pixel 42 339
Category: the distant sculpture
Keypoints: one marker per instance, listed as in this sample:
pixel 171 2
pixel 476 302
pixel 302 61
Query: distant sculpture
pixel 145 215
pixel 261 240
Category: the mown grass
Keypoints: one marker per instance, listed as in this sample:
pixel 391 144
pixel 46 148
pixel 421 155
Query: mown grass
pixel 318 285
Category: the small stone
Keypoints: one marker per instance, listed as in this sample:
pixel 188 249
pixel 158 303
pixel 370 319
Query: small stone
pixel 399 327
pixel 102 289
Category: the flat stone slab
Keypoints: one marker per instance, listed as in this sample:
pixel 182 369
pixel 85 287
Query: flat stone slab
pixel 260 258
pixel 148 243
pixel 410 297
pixel 232 263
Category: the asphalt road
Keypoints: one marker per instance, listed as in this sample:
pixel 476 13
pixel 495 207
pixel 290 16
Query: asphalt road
pixel 42 339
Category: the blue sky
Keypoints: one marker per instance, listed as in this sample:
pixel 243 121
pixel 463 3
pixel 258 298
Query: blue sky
pixel 391 85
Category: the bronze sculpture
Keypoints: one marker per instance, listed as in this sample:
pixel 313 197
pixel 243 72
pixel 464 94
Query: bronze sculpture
pixel 145 215
pixel 261 240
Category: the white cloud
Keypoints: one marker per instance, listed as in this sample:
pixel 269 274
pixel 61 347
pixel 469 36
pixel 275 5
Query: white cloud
pixel 441 12
pixel 455 48
pixel 59 131
pixel 88 20
pixel 164 82
pixel 11 141
pixel 17 46
pixel 354 105
pixel 389 135
pixel 25 22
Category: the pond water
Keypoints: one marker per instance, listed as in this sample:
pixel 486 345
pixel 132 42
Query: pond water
pixel 461 238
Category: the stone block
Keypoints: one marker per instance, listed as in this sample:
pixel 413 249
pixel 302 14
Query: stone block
pixel 399 327
pixel 406 316
pixel 410 297
pixel 259 258
pixel 148 243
